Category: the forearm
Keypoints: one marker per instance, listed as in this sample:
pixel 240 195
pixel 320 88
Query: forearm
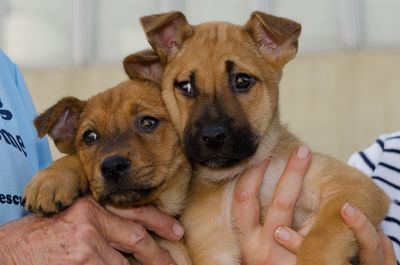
pixel 11 252
pixel 5 254
pixel 15 246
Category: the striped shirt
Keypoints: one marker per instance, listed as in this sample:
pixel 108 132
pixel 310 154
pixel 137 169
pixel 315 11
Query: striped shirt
pixel 381 162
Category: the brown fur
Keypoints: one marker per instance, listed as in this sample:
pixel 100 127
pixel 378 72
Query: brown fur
pixel 158 171
pixel 260 48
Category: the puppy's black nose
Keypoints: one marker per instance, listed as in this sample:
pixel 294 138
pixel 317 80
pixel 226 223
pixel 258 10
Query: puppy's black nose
pixel 214 136
pixel 114 167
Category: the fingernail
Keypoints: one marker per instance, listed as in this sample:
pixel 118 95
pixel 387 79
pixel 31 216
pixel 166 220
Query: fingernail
pixel 109 207
pixel 244 196
pixel 178 230
pixel 303 152
pixel 282 234
pixel 138 209
pixel 349 210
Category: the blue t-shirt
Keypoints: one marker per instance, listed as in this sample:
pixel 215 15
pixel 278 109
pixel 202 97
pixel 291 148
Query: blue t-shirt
pixel 22 153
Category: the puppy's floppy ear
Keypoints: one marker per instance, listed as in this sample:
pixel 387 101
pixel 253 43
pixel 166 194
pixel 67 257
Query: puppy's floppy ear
pixel 144 65
pixel 60 122
pixel 276 37
pixel 166 33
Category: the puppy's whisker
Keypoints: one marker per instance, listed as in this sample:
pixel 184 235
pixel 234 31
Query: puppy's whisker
pixel 138 173
pixel 162 163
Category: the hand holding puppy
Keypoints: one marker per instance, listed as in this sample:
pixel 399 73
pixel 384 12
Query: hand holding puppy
pixel 86 233
pixel 257 240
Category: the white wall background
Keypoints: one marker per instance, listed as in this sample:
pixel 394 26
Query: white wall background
pixel 80 32
pixel 339 94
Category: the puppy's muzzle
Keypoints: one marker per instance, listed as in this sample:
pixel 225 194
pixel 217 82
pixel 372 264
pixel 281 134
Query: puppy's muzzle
pixel 214 137
pixel 218 145
pixel 113 168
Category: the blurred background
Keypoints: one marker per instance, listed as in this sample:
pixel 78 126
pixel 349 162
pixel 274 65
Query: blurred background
pixel 338 95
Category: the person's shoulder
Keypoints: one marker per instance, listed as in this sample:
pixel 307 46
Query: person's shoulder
pixel 392 138
pixel 4 58
pixel 395 135
pixel 5 62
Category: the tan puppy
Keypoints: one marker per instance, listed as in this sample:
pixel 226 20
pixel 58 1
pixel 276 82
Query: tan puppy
pixel 122 144
pixel 220 87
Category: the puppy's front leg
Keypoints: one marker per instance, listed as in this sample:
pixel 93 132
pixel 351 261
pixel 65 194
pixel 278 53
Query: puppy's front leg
pixel 54 188
pixel 209 235
pixel 330 241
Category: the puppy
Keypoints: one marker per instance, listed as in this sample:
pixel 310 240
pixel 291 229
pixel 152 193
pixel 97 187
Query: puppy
pixel 220 87
pixel 122 147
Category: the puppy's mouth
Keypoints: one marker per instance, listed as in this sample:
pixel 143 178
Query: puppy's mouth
pixel 125 197
pixel 131 193
pixel 219 162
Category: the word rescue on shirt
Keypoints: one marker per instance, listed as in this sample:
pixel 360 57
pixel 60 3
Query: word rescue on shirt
pixel 7 137
pixel 10 199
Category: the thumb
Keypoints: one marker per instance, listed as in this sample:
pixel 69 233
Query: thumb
pixel 290 239
pixel 130 237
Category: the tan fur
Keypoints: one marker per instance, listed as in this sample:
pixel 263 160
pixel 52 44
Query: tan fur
pixel 56 187
pixel 156 158
pixel 260 48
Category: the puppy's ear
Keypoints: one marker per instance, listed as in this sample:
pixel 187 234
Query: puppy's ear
pixel 144 65
pixel 60 122
pixel 166 33
pixel 276 37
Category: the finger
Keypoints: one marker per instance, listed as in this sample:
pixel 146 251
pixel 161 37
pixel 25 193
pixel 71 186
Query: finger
pixel 246 207
pixel 114 257
pixel 130 237
pixel 364 231
pixel 153 219
pixel 370 242
pixel 107 255
pixel 305 228
pixel 288 238
pixel 148 252
pixel 136 240
pixel 122 234
pixel 388 249
pixel 287 191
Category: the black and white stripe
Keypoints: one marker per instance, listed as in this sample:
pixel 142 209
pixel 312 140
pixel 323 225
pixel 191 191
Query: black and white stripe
pixel 381 161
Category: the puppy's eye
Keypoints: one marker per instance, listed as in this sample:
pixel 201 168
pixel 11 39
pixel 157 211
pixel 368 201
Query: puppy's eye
pixel 148 124
pixel 90 137
pixel 242 82
pixel 186 87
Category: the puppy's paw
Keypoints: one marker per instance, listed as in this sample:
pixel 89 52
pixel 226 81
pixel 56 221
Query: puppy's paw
pixel 52 190
pixel 329 251
pixel 176 249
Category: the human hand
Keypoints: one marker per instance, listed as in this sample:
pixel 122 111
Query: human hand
pixel 375 247
pixel 257 240
pixel 86 233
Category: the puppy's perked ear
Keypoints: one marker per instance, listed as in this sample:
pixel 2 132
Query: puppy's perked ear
pixel 144 65
pixel 276 37
pixel 60 123
pixel 166 33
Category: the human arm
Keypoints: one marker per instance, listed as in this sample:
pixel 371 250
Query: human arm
pixel 86 233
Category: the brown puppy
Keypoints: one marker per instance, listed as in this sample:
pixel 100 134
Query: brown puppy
pixel 220 87
pixel 122 145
